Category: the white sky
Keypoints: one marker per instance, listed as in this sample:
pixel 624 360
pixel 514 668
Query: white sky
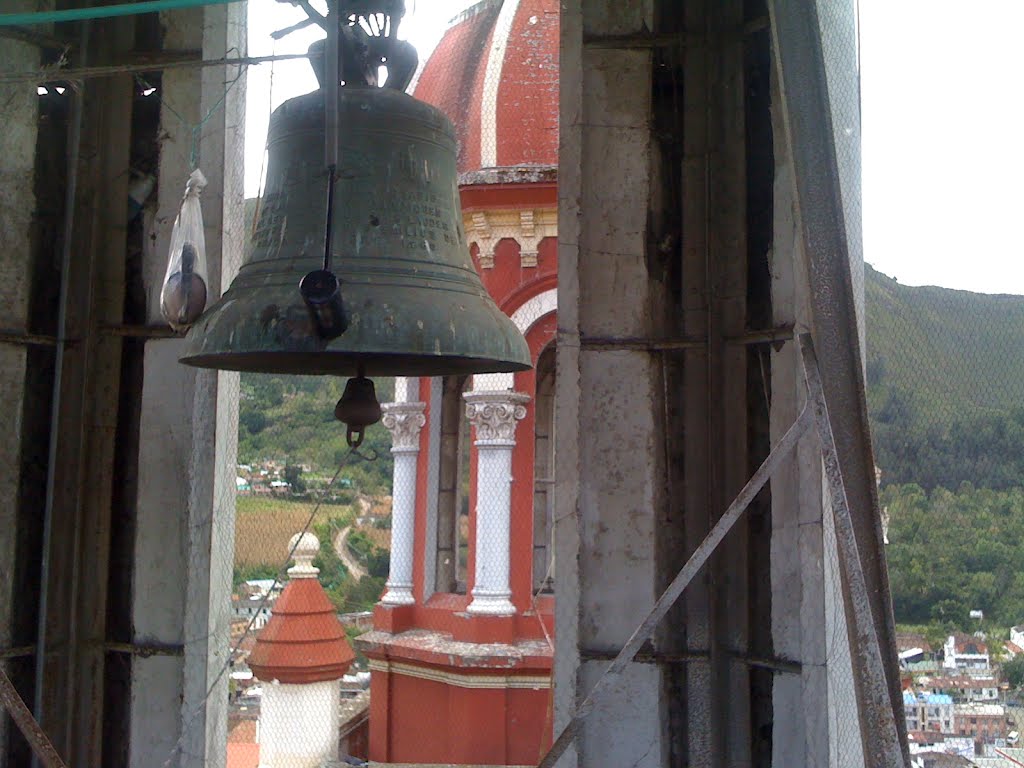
pixel 423 25
pixel 943 152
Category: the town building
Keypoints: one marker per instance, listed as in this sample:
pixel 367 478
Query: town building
pixel 985 723
pixel 965 688
pixel 1017 635
pixel 254 611
pixel 965 653
pixel 913 648
pixel 928 712
pixel 941 743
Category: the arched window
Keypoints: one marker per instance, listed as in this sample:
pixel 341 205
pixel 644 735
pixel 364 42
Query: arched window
pixel 453 488
pixel 544 473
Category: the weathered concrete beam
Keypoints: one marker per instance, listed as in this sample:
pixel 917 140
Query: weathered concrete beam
pixel 609 483
pixel 19 113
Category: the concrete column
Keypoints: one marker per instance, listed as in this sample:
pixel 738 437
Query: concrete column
pixel 608 471
pixel 165 438
pixel 211 518
pixel 797 543
pixel 19 111
pixel 404 421
pixel 494 416
pixel 184 537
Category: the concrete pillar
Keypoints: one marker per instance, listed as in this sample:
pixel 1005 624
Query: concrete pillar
pixel 404 421
pixel 211 531
pixel 609 470
pixel 494 416
pixel 185 507
pixel 19 113
pixel 797 543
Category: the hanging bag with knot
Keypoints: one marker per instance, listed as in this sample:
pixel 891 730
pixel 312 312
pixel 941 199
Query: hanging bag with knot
pixel 183 297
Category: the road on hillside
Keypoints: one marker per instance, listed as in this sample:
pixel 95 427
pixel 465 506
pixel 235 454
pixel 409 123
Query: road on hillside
pixel 341 547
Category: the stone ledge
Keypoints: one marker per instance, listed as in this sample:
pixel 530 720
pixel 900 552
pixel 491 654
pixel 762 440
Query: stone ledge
pixel 439 648
pixel 510 174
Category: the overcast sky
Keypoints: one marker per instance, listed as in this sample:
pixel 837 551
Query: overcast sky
pixel 943 153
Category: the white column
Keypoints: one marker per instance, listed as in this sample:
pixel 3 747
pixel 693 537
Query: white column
pixel 494 415
pixel 299 724
pixel 403 421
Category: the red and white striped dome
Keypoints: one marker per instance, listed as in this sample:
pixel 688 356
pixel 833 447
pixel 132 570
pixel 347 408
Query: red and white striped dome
pixel 495 74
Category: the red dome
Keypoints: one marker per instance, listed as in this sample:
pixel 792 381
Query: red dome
pixel 495 74
pixel 303 642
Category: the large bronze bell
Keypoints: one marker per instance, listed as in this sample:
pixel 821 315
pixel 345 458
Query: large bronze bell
pixel 411 302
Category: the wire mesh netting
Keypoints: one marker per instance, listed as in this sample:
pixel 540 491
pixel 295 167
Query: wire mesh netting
pixel 944 394
pixel 946 442
pixel 944 400
pixel 838 28
pixel 295 473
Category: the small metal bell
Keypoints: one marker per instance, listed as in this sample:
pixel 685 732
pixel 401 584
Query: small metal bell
pixel 358 408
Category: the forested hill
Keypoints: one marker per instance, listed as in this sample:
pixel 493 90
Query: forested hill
pixel 945 384
pixel 291 419
pixel 957 351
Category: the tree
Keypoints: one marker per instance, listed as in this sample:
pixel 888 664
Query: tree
pixel 1013 671
pixel 293 476
pixel 252 419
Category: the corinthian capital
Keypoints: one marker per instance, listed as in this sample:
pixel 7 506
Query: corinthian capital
pixel 404 421
pixel 494 414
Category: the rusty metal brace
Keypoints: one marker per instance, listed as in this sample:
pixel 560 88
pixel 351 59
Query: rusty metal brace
pixel 30 729
pixel 878 725
pixel 867 657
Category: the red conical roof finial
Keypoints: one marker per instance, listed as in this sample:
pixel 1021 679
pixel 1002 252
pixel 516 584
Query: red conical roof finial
pixel 303 642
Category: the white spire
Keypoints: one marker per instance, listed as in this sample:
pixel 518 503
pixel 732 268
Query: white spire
pixel 303 548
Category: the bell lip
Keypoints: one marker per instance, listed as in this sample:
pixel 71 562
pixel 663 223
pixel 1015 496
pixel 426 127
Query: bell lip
pixel 329 363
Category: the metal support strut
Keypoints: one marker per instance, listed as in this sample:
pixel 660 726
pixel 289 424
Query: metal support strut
pixel 42 747
pixel 872 689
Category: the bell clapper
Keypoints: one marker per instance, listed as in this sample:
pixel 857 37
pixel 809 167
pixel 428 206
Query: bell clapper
pixel 358 408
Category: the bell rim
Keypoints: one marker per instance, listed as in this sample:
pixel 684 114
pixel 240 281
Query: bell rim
pixel 344 363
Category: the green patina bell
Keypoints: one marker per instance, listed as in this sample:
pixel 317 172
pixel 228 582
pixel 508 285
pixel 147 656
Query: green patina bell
pixel 411 302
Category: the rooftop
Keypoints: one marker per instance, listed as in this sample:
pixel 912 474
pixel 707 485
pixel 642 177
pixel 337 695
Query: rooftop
pixel 495 75
pixel 980 709
pixel 926 698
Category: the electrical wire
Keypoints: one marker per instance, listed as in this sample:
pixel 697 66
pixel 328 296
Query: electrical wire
pixel 200 707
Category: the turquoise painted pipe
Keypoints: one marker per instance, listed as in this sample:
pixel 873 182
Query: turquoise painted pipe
pixel 103 12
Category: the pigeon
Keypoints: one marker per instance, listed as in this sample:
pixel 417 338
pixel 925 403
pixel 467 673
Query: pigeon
pixel 183 297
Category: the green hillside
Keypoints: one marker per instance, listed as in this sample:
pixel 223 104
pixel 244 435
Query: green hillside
pixel 291 419
pixel 945 384
pixel 960 352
